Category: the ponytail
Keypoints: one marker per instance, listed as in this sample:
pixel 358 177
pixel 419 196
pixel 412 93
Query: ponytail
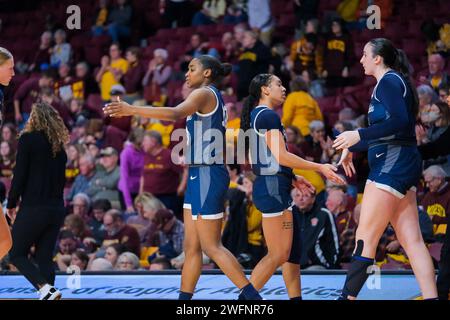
pixel 252 100
pixel 397 60
pixel 218 70
pixel 403 67
pixel 249 104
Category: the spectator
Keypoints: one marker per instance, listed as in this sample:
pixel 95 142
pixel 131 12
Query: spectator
pixel 113 67
pixel 169 236
pixel 79 259
pixel 7 159
pixel 159 264
pixel 101 264
pixel 320 243
pixel 242 234
pixel 63 86
pixel 119 21
pixel 305 11
pixel 77 225
pixel 336 203
pixel 101 17
pixel 176 13
pixel 438 119
pixel 82 181
pixel 199 45
pixel 293 140
pixel 84 83
pixel 211 11
pixel 9 134
pixel 437 76
pixel 161 177
pixel 41 58
pixel 260 19
pixel 229 49
pixel 127 261
pixel 132 80
pixel 72 167
pixel 99 208
pixel 234 171
pixel 48 95
pixel 77 113
pixel 436 201
pixel 119 232
pixel 67 244
pixel 306 56
pixel 427 96
pixel 81 205
pixel 299 108
pixel 436 136
pixel 444 92
pixel 157 77
pixel 239 32
pixel 235 13
pixel 131 167
pixel 147 205
pixel 61 52
pixel 338 55
pixel 254 59
pixel 314 146
pixel 113 252
pixel 27 94
pixel 103 184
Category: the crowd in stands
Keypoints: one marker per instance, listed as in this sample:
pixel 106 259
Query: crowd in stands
pixel 123 192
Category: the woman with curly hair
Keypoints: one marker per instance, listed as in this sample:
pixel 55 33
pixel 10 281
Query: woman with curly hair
pixel 38 182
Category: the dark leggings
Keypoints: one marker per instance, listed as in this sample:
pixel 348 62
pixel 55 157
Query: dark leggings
pixel 39 226
pixel 443 279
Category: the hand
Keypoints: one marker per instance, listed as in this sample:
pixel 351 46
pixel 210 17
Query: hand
pixel 117 109
pixel 393 246
pixel 18 117
pixel 105 61
pixel 421 134
pixel 347 163
pixel 130 209
pixel 303 185
pixel 346 139
pixel 345 72
pixel 329 171
pixel 11 213
pixel 180 191
pixel 152 65
pixel 326 144
pixel 324 73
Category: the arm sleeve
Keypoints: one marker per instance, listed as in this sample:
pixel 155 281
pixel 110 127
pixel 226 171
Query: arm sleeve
pixel 20 171
pixel 124 168
pixel 390 92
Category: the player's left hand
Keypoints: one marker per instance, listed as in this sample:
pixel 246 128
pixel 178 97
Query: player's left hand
pixel 347 163
pixel 117 108
pixel 346 139
pixel 303 185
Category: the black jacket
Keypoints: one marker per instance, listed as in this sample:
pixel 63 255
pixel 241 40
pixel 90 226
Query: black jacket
pixel 39 177
pixel 320 240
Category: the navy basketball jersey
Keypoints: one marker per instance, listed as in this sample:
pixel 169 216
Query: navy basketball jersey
pixel 263 119
pixel 206 134
pixel 391 119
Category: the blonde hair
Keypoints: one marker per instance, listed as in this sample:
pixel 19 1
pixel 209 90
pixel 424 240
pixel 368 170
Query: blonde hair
pixel 149 201
pixel 5 55
pixel 45 118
